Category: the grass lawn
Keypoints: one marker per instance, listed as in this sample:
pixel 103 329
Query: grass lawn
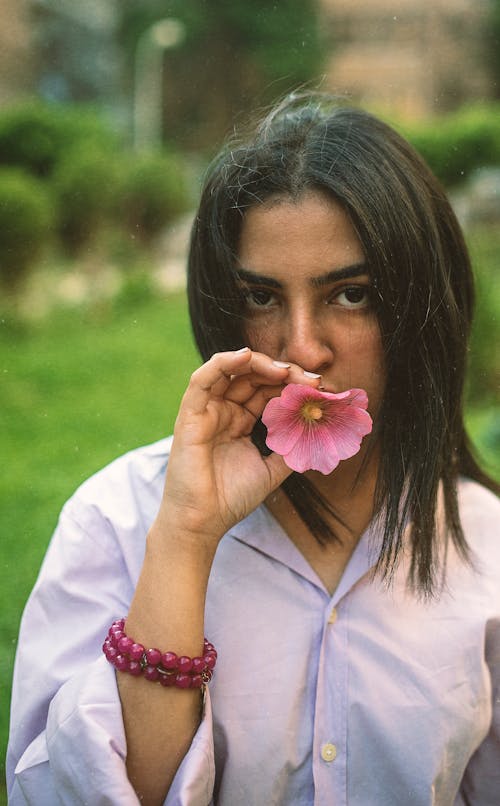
pixel 79 388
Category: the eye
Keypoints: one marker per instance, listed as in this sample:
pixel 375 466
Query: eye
pixel 353 296
pixel 258 297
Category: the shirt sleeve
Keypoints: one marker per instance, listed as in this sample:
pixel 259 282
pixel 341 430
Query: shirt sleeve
pixel 67 742
pixel 481 782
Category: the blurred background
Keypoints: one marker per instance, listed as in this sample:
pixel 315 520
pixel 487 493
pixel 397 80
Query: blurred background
pixel 109 114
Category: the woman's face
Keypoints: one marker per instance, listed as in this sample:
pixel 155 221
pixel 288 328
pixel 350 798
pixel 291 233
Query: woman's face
pixel 308 293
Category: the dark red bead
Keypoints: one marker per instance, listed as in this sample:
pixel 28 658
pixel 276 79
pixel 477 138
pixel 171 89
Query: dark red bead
pixel 111 653
pixel 121 663
pixel 115 637
pixel 184 664
pixel 169 660
pixel 167 680
pixel 183 680
pixel 199 665
pixel 124 644
pixel 136 651
pixel 153 656
pixel 196 681
pixel 210 660
pixel 135 668
pixel 151 673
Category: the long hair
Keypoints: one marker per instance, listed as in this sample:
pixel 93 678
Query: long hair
pixel 424 294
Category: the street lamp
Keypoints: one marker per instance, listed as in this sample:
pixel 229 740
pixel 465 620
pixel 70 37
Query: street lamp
pixel 148 70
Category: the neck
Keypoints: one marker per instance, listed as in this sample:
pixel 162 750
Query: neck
pixel 350 490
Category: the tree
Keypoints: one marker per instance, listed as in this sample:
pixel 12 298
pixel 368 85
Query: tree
pixel 236 55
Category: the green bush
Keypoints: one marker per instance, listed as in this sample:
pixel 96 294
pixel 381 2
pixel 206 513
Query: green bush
pixel 85 185
pixel 35 136
pixel 96 183
pixel 484 372
pixel 153 191
pixel 26 219
pixel 457 144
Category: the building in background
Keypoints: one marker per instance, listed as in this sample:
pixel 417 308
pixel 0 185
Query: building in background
pixel 77 55
pixel 414 59
pixel 17 62
pixel 411 59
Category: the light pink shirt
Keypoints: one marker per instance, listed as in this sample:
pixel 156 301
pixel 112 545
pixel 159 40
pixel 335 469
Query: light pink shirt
pixel 367 697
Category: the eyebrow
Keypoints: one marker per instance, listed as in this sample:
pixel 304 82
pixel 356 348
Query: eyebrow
pixel 344 273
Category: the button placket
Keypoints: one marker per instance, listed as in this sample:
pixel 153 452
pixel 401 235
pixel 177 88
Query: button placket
pixel 330 722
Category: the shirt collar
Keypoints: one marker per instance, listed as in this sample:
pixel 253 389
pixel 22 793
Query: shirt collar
pixel 262 532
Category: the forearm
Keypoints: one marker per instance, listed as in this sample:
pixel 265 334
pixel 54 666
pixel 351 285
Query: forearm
pixel 167 612
pixel 231 478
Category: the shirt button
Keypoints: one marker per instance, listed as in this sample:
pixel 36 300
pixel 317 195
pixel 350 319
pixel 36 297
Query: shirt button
pixel 328 752
pixel 332 618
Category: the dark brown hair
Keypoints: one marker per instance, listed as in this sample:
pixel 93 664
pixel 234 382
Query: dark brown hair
pixel 424 296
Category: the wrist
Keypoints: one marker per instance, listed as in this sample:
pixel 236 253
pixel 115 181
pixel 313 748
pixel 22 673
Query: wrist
pixel 194 547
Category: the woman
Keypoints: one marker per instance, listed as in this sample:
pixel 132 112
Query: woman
pixel 356 614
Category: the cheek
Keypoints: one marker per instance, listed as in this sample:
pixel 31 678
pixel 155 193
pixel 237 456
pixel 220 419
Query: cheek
pixel 361 341
pixel 364 361
pixel 262 338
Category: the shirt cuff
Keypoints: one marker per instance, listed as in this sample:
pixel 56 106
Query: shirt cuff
pixel 81 755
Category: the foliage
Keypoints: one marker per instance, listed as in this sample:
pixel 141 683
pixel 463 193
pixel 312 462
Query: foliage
pixel 153 190
pixel 25 223
pixel 85 184
pixel 96 183
pixel 456 144
pixel 35 136
pixel 484 245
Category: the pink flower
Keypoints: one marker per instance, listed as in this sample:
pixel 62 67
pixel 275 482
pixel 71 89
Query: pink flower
pixel 314 430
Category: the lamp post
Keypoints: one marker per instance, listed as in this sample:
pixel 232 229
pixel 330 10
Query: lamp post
pixel 148 74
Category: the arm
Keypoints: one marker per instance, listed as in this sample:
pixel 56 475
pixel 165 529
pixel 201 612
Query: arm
pixel 215 478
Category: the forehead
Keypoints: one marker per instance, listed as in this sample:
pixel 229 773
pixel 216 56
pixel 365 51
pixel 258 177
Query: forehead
pixel 310 234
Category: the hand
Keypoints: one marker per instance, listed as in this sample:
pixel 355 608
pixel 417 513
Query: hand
pixel 215 475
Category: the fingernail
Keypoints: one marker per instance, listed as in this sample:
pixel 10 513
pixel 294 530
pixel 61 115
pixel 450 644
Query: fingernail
pixel 242 350
pixel 281 364
pixel 311 374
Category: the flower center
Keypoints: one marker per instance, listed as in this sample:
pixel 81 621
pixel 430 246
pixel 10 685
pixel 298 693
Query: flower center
pixel 311 411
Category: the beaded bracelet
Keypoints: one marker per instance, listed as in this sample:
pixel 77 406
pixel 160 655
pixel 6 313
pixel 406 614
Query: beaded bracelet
pixel 126 655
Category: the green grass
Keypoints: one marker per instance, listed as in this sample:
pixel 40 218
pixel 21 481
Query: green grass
pixel 78 388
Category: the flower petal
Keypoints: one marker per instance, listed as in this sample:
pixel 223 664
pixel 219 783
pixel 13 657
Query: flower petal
pixel 294 395
pixel 320 444
pixel 284 427
pixel 315 452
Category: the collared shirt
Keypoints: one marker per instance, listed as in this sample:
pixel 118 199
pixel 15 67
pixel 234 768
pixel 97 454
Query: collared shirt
pixel 369 697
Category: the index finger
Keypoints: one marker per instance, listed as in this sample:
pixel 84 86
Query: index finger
pixel 213 378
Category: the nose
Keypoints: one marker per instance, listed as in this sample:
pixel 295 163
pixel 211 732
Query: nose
pixel 306 343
